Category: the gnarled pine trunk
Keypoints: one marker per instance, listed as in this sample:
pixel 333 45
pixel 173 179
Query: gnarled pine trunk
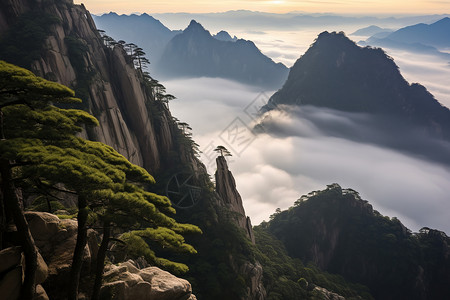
pixel 101 261
pixel 77 261
pixel 12 204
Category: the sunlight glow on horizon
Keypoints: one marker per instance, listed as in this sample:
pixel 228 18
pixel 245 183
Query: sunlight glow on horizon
pixel 386 7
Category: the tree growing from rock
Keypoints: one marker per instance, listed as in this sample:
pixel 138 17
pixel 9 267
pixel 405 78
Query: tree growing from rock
pixel 222 151
pixel 39 143
pixel 28 122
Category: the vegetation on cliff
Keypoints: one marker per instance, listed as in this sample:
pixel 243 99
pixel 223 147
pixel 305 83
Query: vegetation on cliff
pixel 25 42
pixel 340 233
pixel 40 151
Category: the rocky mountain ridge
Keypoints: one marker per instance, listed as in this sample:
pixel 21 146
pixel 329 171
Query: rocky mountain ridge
pixel 196 53
pixel 343 234
pixel 143 30
pixel 365 86
pixel 131 119
pixel 114 92
pixel 436 34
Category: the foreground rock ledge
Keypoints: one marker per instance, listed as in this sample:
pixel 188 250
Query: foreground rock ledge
pixel 126 281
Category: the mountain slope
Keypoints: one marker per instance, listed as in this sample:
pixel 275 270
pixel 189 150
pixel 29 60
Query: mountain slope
pixel 337 74
pixel 341 233
pixel 68 49
pixel 382 41
pixel 370 30
pixel 143 30
pixel 225 36
pixel 195 53
pixel 436 34
pixel 419 38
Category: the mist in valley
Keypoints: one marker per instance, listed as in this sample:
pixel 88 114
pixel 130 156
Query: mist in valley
pixel 298 154
pixel 304 149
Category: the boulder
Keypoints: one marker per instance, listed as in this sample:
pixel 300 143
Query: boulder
pixel 9 258
pixel 113 291
pixel 141 291
pixel 131 267
pixel 40 293
pixel 11 262
pixel 10 284
pixel 112 272
pixel 126 281
pixel 326 294
pixel 128 286
pixel 42 270
pixel 166 286
pixel 43 226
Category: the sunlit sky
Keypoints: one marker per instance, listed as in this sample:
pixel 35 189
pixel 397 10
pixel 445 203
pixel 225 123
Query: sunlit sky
pixel 310 6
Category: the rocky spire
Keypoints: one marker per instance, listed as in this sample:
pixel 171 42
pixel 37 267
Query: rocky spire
pixel 226 188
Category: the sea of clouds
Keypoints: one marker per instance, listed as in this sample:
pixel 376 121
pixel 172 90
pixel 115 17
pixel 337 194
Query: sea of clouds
pixel 300 150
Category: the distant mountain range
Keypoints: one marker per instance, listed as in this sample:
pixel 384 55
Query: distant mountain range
pixel 337 74
pixel 420 38
pixel 143 30
pixel 260 21
pixel 196 53
pixel 370 31
pixel 436 34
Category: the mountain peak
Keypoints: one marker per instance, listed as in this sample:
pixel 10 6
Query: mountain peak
pixel 226 188
pixel 196 53
pixel 443 21
pixel 334 38
pixel 338 74
pixel 194 25
pixel 224 36
pixel 111 13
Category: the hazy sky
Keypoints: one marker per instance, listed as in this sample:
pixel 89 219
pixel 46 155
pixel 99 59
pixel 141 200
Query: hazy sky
pixel 315 6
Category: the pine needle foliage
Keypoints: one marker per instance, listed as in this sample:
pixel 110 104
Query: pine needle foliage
pixel 39 141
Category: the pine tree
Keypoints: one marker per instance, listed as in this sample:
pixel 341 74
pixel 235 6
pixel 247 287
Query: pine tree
pixel 39 139
pixel 26 116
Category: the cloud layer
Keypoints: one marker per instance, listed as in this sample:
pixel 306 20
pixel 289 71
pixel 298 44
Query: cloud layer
pixel 274 170
pixel 314 147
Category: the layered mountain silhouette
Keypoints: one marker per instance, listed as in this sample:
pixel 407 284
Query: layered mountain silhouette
pixel 436 34
pixel 225 36
pixel 371 30
pixel 420 38
pixel 196 53
pixel 365 85
pixel 143 30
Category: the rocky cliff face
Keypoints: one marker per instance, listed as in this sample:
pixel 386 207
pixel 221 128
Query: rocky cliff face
pixel 112 89
pixel 131 120
pixel 226 188
pixel 232 201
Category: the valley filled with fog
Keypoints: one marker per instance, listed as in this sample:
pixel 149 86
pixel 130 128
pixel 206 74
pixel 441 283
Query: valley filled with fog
pixel 273 170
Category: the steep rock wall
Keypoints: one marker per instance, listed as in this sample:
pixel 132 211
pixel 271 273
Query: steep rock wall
pixel 226 188
pixel 131 121
pixel 115 94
